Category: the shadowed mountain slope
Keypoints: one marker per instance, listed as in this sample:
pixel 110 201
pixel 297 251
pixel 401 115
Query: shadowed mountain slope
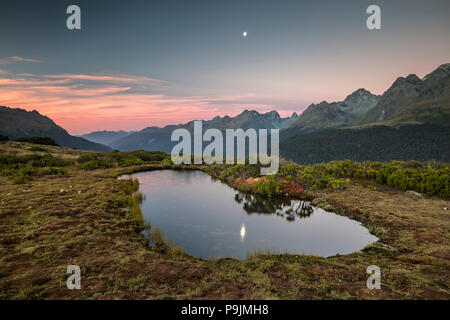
pixel 19 123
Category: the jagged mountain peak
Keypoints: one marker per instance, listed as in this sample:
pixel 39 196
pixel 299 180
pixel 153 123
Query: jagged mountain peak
pixel 359 101
pixel 358 93
pixel 274 115
pixel 399 94
pixel 413 77
pixel 246 111
pixel 410 80
pixel 159 138
pixel 404 91
pixel 335 114
pixel 253 114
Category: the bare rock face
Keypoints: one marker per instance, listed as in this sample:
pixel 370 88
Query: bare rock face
pixel 321 116
pixel 402 92
pixel 405 91
pixel 441 72
pixel 362 107
pixel 438 89
pixel 155 138
pixel 359 102
pixel 326 115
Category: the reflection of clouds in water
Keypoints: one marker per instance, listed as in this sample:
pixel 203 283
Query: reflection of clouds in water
pixel 289 209
pixel 243 232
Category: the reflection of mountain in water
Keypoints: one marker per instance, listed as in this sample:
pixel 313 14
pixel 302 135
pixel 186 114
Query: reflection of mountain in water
pixel 289 209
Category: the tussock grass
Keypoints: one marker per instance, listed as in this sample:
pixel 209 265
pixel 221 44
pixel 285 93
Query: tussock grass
pixel 135 212
pixel 158 239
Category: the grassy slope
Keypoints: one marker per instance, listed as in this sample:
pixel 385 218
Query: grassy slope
pixel 434 111
pixel 43 230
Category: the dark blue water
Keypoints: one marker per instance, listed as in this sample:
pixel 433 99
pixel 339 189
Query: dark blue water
pixel 208 219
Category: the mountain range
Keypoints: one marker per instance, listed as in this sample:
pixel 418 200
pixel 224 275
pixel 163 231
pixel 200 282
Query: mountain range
pixel 19 123
pixel 409 121
pixel 335 114
pixel 106 137
pixel 405 91
pixel 155 138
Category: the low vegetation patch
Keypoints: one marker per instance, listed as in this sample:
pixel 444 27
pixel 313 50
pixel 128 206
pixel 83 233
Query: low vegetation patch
pixel 431 178
pixel 38 140
pixel 92 219
pixel 22 168
pixel 97 160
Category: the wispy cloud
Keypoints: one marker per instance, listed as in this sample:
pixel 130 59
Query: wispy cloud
pixel 106 78
pixel 15 59
pixel 82 102
pixel 29 82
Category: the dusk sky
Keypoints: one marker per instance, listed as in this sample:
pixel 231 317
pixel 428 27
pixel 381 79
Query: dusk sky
pixel 135 64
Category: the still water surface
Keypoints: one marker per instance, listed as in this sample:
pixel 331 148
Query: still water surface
pixel 207 219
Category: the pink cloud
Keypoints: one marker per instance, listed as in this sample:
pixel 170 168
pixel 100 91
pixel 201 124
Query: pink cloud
pixel 81 108
pixel 14 59
pixel 29 82
pixel 106 78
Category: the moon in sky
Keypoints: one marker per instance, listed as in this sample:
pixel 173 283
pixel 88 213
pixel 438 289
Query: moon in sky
pixel 244 34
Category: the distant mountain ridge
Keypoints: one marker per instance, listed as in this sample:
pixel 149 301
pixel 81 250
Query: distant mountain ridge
pixel 19 123
pixel 106 137
pixel 410 107
pixel 410 120
pixel 155 138
pixel 359 102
